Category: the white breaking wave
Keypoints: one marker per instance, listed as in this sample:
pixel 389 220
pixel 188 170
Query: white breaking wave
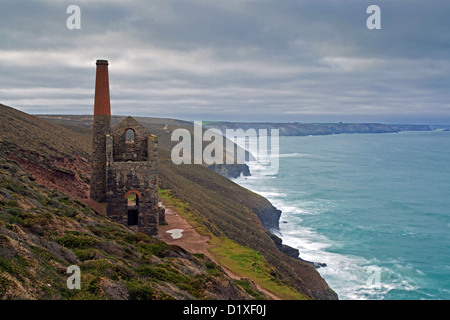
pixel 272 194
pixel 347 275
pixel 292 155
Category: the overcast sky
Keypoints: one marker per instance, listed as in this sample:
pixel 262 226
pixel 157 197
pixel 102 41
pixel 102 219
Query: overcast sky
pixel 239 60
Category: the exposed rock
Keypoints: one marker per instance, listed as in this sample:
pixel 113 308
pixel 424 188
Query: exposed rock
pixel 269 216
pixel 293 252
pixel 231 170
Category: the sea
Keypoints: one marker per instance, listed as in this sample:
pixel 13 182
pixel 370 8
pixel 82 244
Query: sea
pixel 375 208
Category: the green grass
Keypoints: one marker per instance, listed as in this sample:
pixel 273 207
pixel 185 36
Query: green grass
pixel 74 239
pixel 139 290
pixel 185 210
pixel 4 284
pixel 245 284
pixel 251 264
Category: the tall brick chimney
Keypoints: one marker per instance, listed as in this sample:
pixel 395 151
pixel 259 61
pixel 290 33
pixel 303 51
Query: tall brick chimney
pixel 101 127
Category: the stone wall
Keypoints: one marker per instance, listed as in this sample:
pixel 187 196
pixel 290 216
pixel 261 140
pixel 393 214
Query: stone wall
pixel 131 168
pixel 136 150
pixel 102 127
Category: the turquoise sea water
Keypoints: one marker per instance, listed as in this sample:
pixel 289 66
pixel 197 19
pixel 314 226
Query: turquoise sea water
pixel 374 207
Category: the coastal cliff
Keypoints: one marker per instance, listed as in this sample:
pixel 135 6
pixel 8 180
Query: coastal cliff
pixel 228 210
pixel 50 188
pixel 306 129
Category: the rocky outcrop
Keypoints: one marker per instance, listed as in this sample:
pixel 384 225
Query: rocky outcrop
pixel 231 170
pixel 293 252
pixel 269 216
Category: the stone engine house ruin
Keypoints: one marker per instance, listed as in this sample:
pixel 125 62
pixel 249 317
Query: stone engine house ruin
pixel 124 165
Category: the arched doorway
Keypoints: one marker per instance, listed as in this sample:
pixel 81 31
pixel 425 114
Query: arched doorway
pixel 132 198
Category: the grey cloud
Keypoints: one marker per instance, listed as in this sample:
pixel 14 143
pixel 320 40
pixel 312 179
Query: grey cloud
pixel 256 59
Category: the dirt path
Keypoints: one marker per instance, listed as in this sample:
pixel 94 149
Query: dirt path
pixel 190 240
pixel 179 232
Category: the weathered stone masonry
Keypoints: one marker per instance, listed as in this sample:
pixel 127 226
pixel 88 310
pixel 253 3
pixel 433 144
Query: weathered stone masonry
pixel 125 168
pixel 132 186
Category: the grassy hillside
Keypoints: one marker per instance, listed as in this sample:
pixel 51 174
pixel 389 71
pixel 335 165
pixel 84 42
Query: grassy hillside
pixel 45 140
pixel 57 156
pixel 42 232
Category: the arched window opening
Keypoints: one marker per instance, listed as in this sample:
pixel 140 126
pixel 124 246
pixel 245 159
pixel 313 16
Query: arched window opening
pixel 132 200
pixel 129 136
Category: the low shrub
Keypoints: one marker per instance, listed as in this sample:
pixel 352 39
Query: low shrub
pixel 72 241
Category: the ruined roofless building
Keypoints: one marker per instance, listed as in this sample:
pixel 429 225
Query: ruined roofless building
pixel 124 158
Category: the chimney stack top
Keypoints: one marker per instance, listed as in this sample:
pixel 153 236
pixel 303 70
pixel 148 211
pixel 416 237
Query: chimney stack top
pixel 101 101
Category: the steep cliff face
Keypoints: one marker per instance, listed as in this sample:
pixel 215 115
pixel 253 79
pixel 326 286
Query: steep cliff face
pixel 268 214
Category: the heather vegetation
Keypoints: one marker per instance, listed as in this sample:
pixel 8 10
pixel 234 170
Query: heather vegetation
pixel 42 232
